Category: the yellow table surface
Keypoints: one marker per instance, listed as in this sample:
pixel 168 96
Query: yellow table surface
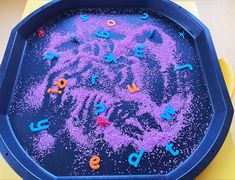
pixel 223 165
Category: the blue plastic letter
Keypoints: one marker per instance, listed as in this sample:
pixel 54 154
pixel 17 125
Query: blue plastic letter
pixel 50 56
pixel 168 113
pixel 139 51
pixel 102 34
pixel 110 58
pixel 101 109
pixel 84 18
pixel 40 126
pixel 169 147
pixel 135 162
pixel 189 66
pixel 93 78
pixel 145 16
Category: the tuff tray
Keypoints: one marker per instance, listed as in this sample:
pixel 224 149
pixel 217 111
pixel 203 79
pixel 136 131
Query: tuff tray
pixel 111 90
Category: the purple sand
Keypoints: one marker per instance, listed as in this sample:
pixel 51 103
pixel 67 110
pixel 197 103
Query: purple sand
pixel 43 143
pixel 134 122
pixel 35 95
pixel 164 54
pixel 84 97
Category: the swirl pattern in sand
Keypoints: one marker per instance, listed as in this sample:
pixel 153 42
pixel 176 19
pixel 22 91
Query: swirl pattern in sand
pixel 135 118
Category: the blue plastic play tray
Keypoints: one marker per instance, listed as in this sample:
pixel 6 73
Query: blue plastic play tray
pixel 104 89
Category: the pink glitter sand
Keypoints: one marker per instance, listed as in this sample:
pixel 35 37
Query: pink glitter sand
pixel 43 143
pixel 164 54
